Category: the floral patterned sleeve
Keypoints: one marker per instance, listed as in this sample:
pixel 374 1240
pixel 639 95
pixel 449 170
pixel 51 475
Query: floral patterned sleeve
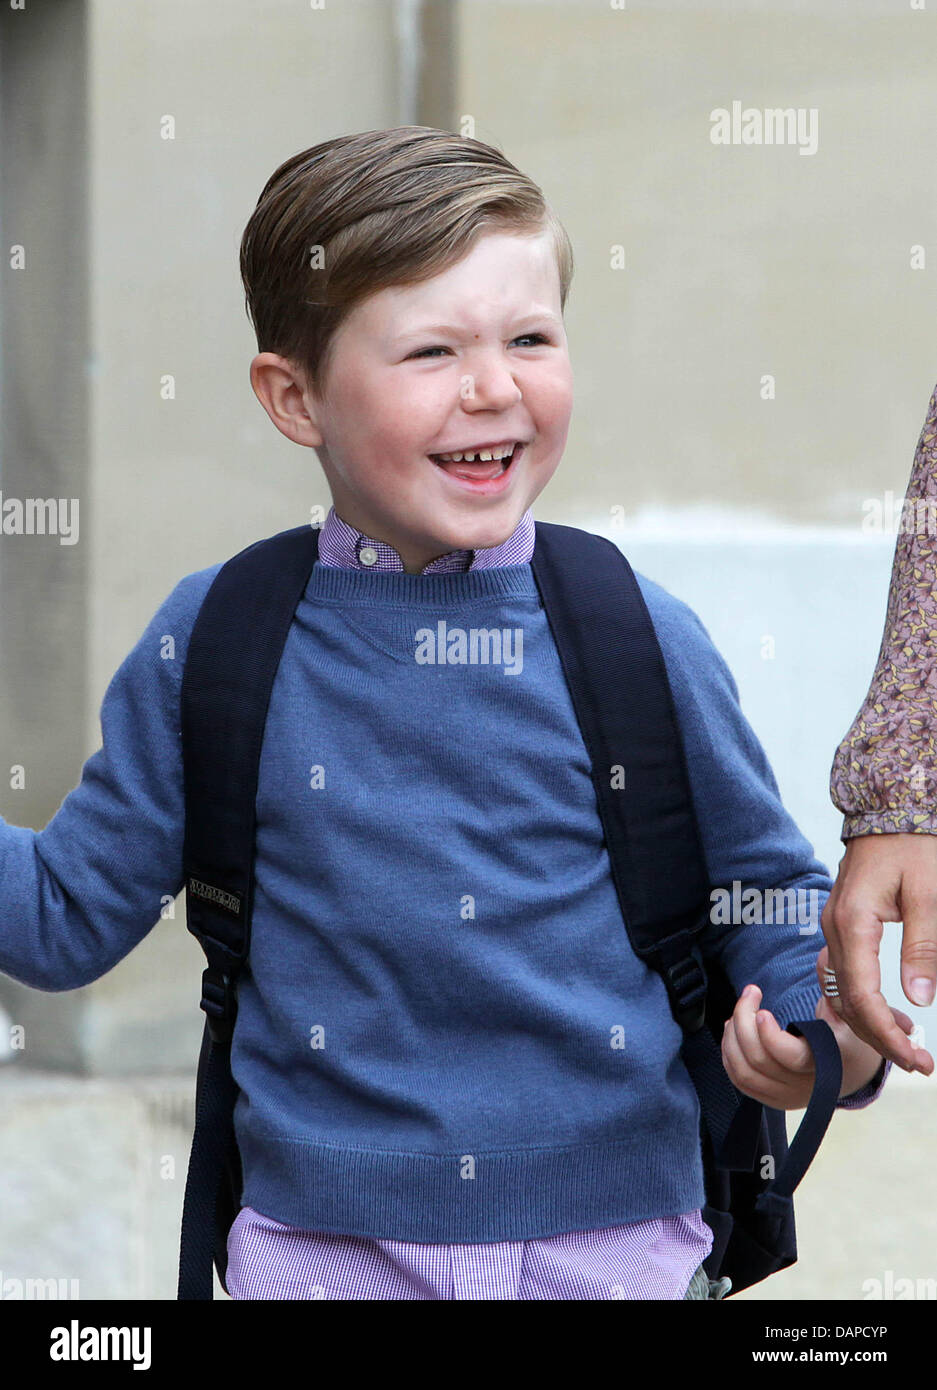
pixel 884 774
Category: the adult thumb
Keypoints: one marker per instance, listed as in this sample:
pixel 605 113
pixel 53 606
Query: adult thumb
pixel 919 946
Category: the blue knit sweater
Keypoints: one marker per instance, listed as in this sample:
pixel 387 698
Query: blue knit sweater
pixel 443 1034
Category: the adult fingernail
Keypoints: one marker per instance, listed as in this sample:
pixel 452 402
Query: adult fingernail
pixel 922 989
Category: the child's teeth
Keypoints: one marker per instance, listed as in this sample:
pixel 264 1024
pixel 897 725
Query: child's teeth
pixel 482 455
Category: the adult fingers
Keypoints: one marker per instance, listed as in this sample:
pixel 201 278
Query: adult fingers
pixel 853 933
pixel 919 938
pixel 882 878
pixel 824 964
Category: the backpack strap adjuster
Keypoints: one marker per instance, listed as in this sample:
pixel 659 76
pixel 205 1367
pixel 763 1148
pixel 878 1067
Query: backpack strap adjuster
pixel 684 974
pixel 219 1001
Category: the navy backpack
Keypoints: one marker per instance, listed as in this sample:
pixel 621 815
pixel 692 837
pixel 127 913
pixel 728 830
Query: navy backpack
pixel 617 679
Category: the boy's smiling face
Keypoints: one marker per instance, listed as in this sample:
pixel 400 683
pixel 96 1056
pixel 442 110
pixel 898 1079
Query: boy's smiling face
pixel 475 356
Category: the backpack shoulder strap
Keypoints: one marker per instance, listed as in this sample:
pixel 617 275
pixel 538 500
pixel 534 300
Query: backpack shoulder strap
pixel 618 682
pixel 624 705
pixel 231 663
pixel 232 659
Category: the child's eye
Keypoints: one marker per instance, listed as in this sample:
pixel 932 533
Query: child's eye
pixel 536 337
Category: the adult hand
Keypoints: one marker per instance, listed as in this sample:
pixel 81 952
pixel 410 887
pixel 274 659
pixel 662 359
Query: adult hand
pixel 884 878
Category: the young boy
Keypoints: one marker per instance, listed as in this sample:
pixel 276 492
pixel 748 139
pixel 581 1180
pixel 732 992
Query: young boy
pixel 429 1103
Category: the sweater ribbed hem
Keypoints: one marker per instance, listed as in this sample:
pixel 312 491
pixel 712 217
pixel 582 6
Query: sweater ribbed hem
pixel 519 1195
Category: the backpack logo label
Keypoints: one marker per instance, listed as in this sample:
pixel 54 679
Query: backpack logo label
pixel 218 897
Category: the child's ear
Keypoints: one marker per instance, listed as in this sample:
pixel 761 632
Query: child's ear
pixel 282 390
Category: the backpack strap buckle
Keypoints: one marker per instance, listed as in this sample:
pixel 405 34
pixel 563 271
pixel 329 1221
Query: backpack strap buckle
pixel 219 1001
pixel 681 965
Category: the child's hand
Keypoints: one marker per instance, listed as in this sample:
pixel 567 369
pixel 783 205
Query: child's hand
pixel 774 1067
pixel 762 1060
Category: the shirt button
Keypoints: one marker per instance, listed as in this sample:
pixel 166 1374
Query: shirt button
pixel 368 555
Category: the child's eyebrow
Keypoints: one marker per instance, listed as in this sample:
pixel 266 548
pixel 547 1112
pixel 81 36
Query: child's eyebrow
pixel 454 330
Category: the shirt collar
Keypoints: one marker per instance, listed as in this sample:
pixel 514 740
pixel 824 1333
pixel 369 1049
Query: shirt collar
pixel 345 547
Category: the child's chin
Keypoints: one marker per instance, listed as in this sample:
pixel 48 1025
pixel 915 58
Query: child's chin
pixel 480 536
